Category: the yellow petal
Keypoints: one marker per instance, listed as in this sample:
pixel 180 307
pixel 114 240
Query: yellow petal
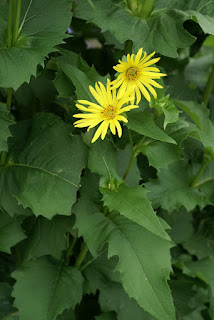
pixel 153 83
pixel 144 91
pixel 112 127
pixel 119 129
pixel 84 115
pixel 148 57
pixel 98 132
pixel 96 96
pixel 121 118
pixel 138 95
pixel 104 130
pixel 151 89
pixel 138 56
pixel 149 63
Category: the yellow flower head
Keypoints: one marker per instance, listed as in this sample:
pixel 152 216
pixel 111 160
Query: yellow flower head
pixel 107 111
pixel 137 75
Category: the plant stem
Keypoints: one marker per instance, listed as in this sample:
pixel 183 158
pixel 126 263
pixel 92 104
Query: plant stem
pixel 130 140
pixel 9 98
pixel 16 22
pixel 129 166
pixel 3 158
pixel 81 256
pixel 9 26
pixel 209 87
pixel 70 248
pixel 199 173
pixel 147 8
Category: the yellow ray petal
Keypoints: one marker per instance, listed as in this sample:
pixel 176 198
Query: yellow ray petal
pixel 149 63
pixel 138 56
pixel 121 118
pixel 94 105
pixel 153 83
pixel 97 96
pixel 144 91
pixel 104 130
pixel 112 127
pixel 148 57
pixel 84 115
pixel 128 108
pixel 119 129
pixel 98 132
pixel 151 89
pixel 138 95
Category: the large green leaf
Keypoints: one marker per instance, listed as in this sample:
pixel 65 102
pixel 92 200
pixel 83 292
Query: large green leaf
pixel 103 160
pixel 160 154
pixel 134 205
pixel 99 272
pixel 114 298
pixel 150 34
pixel 144 258
pixel 204 270
pixel 143 123
pixel 43 171
pixel 10 231
pixel 107 316
pixel 172 190
pixel 38 36
pixel 200 115
pixel 6 119
pixel 78 71
pixel 48 237
pixel 47 288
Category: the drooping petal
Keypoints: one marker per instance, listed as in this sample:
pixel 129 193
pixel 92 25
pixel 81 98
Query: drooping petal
pixel 98 132
pixel 119 129
pixel 121 118
pixel 104 130
pixel 144 91
pixel 112 127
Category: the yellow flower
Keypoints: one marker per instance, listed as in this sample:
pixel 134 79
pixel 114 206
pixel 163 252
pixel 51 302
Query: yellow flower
pixel 137 75
pixel 108 111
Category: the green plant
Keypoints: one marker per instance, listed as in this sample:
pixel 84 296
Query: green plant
pixel 122 227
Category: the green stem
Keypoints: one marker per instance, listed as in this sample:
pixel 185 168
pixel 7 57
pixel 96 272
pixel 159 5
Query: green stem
pixel 199 173
pixel 70 249
pixel 3 158
pixel 16 22
pixel 147 8
pixel 130 140
pixel 81 256
pixel 129 166
pixel 9 26
pixel 209 87
pixel 9 98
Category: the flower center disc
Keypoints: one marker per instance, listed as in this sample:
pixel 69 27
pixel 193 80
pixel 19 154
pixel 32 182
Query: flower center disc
pixel 109 112
pixel 132 73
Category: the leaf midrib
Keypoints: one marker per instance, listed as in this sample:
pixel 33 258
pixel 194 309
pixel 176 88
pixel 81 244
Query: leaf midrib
pixel 43 170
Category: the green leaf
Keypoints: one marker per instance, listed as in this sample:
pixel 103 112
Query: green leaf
pixel 55 288
pixel 200 115
pixel 123 158
pixel 78 71
pixel 134 205
pixel 6 119
pixel 45 180
pixel 10 231
pixel 114 298
pixel 160 154
pixel 48 237
pixel 99 272
pixel 143 269
pixel 103 160
pixel 5 299
pixel 67 315
pixel 144 258
pixel 38 36
pixel 172 190
pixel 63 85
pixel 150 33
pixel 107 316
pixel 203 269
pixel 143 123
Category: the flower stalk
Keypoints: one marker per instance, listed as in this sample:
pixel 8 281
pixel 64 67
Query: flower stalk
pixel 209 87
pixel 147 8
pixel 16 22
pixel 9 26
